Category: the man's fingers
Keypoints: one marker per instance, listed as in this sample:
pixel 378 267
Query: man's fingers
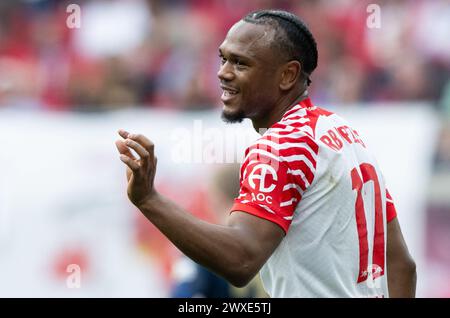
pixel 123 149
pixel 143 146
pixel 144 141
pixel 123 133
pixel 133 165
pixel 140 150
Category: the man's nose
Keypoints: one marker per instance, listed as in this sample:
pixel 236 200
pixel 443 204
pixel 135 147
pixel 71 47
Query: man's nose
pixel 225 72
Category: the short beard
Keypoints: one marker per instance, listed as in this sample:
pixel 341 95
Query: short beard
pixel 231 118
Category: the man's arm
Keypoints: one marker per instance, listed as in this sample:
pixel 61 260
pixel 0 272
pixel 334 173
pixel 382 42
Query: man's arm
pixel 235 251
pixel 401 269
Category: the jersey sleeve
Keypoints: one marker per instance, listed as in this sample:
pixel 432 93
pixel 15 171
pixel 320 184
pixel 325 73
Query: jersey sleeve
pixel 391 212
pixel 273 178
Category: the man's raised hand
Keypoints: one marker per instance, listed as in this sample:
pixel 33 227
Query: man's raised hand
pixel 140 171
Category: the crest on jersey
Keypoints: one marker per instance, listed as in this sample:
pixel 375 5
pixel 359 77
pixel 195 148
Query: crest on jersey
pixel 260 172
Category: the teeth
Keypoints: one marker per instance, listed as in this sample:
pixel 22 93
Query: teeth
pixel 229 92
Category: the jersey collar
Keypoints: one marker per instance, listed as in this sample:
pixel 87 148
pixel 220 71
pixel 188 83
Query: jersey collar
pixel 305 103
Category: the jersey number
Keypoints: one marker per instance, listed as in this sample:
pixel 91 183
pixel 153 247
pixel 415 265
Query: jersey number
pixel 368 173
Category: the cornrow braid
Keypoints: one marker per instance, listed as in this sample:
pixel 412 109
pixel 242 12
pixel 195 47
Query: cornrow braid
pixel 296 41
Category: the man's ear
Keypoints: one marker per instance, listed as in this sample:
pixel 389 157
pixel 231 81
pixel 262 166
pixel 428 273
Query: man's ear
pixel 290 74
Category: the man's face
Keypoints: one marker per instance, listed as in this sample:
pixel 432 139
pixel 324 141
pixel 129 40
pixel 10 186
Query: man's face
pixel 248 73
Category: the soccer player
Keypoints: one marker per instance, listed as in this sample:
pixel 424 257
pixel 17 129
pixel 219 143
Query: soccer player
pixel 313 213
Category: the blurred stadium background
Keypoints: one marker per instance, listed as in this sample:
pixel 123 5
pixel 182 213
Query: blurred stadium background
pixel 150 66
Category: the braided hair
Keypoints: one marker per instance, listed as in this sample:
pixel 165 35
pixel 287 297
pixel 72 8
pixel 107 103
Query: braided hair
pixel 295 41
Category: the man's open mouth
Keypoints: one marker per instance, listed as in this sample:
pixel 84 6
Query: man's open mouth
pixel 228 92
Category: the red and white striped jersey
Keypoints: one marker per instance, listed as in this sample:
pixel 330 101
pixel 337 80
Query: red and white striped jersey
pixel 312 174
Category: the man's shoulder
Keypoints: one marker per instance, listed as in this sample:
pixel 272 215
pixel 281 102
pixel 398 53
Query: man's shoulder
pixel 287 134
pixel 294 133
pixel 303 119
pixel 283 144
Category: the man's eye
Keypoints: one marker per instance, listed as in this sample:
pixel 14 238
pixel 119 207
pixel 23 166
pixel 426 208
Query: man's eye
pixel 240 64
pixel 222 60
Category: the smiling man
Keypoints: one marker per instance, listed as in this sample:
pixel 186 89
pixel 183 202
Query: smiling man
pixel 256 52
pixel 313 213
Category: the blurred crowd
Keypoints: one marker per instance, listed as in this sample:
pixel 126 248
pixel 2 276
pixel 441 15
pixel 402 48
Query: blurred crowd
pixel 155 53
